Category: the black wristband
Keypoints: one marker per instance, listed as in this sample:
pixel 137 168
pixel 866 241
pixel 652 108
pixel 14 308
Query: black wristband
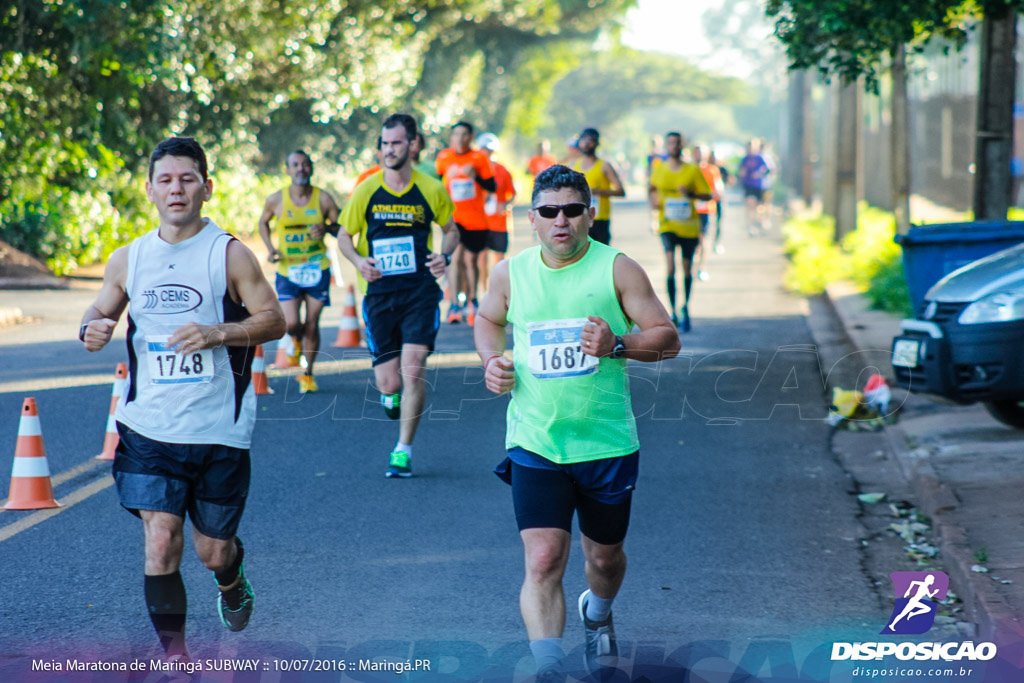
pixel 333 228
pixel 447 259
pixel 81 332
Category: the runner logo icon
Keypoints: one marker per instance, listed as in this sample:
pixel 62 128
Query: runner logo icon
pixel 917 595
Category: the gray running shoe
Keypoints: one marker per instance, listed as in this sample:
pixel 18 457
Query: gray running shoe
pixel 600 637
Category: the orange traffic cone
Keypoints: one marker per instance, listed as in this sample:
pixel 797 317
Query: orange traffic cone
pixel 30 476
pixel 259 373
pixel 348 332
pixel 286 356
pixel 112 439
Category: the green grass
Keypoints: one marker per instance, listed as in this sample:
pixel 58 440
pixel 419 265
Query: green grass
pixel 868 256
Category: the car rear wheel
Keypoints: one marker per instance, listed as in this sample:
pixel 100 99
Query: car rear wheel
pixel 1008 412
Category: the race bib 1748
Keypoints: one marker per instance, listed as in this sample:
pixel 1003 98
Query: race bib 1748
pixel 555 351
pixel 167 367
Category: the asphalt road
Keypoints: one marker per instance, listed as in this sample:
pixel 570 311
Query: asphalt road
pixel 743 546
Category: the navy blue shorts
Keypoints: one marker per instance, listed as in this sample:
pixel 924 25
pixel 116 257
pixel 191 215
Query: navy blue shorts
pixel 670 240
pixel 404 316
pixel 288 290
pixel 208 482
pixel 545 494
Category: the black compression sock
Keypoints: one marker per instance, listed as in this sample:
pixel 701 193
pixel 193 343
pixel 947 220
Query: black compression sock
pixel 670 285
pixel 226 577
pixel 167 604
pixel 687 286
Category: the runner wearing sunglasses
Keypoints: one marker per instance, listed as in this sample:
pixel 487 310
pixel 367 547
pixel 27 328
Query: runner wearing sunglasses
pixel 674 187
pixel 572 302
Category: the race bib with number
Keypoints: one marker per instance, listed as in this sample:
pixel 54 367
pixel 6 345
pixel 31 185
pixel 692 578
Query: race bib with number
pixel 463 189
pixel 677 209
pixel 395 255
pixel 167 367
pixel 555 351
pixel 306 275
pixel 702 205
pixel 491 205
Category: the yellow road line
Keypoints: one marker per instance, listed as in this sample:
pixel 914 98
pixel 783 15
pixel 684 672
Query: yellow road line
pixel 72 499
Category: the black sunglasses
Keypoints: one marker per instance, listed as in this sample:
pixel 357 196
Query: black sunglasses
pixel 570 210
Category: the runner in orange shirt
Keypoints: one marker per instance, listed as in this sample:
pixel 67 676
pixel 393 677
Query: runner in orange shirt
pixel 498 207
pixel 467 175
pixel 705 209
pixel 542 160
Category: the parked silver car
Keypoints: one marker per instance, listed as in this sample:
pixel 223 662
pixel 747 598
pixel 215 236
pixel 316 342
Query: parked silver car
pixel 968 343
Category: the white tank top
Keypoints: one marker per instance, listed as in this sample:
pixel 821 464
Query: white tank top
pixel 204 397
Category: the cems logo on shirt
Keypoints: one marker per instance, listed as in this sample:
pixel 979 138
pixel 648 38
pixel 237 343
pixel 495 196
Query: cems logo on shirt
pixel 169 299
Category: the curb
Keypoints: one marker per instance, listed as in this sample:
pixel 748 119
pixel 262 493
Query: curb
pixel 982 603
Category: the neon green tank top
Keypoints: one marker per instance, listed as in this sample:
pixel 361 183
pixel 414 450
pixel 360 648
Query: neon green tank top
pixel 598 181
pixel 567 407
pixel 301 255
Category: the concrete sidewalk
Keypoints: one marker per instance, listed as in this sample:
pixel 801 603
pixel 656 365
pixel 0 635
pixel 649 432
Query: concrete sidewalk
pixel 967 473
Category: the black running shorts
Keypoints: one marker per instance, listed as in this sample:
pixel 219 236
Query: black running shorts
pixel 404 316
pixel 473 241
pixel 600 492
pixel 670 240
pixel 208 482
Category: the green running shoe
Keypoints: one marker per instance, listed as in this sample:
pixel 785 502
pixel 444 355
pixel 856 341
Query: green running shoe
pixel 401 465
pixel 392 405
pixel 242 595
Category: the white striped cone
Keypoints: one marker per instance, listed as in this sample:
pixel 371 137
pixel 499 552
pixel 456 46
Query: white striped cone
pixel 348 330
pixel 30 475
pixel 111 439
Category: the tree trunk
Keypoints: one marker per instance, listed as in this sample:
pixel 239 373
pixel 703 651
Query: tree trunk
pixel 994 145
pixel 847 139
pixel 900 142
pixel 829 147
pixel 796 131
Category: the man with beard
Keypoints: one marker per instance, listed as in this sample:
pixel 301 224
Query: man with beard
pixel 392 212
pixel 301 214
pixel 603 181
pixel 467 175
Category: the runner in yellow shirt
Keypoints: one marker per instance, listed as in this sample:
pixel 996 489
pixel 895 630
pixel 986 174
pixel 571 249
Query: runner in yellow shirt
pixel 674 187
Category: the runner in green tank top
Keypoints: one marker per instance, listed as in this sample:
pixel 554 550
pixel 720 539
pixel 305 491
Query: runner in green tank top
pixel 572 443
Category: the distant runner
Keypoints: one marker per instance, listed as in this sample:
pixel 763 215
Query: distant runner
pixel 603 180
pixel 498 206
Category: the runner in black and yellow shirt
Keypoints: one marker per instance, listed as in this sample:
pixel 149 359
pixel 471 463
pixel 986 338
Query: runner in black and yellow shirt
pixel 392 212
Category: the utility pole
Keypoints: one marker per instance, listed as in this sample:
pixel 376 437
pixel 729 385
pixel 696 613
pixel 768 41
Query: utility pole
pixel 994 143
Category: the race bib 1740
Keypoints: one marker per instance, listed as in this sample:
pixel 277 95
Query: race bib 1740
pixel 395 255
pixel 555 351
pixel 167 367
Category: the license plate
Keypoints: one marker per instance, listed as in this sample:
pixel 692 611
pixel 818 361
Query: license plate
pixel 905 353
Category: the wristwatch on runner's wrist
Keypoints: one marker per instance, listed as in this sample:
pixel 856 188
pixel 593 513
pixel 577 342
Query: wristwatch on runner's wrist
pixel 619 350
pixel 81 332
